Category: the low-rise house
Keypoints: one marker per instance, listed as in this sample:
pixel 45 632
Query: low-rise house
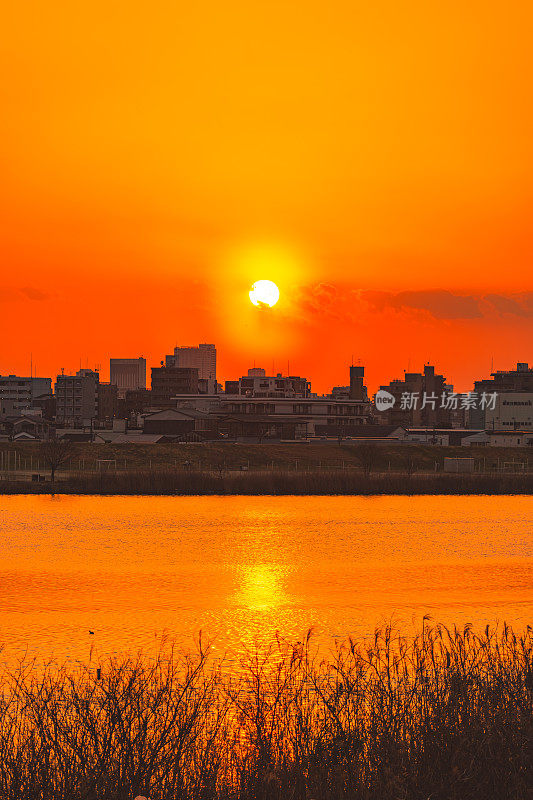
pixel 478 439
pixel 180 422
pixel 510 438
pixel 367 433
pixel 445 437
pixel 29 427
pixel 131 437
pixel 262 427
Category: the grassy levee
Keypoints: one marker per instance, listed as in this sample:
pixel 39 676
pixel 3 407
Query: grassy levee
pixel 330 482
pixel 216 468
pixel 445 715
pixel 85 456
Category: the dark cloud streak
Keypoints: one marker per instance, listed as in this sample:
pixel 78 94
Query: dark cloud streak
pixel 441 304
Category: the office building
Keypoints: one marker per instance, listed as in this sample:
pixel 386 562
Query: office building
pixel 203 358
pixel 127 374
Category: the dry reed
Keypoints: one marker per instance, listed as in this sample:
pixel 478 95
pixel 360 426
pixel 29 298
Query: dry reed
pixel 282 482
pixel 446 715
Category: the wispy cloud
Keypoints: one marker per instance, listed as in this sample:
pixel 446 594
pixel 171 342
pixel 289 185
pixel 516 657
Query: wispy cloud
pixel 441 304
pixel 520 305
pixel 34 294
pixel 14 294
pixel 319 298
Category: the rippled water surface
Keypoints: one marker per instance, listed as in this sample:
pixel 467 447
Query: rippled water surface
pixel 240 568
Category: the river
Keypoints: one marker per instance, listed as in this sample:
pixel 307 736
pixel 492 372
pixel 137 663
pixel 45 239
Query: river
pixel 241 569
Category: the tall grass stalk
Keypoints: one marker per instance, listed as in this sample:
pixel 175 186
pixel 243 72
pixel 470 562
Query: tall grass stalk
pixel 444 714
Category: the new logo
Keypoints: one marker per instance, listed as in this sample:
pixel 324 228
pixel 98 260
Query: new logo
pixel 384 400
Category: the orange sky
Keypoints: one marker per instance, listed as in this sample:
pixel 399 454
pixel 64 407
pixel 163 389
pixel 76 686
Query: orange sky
pixel 374 159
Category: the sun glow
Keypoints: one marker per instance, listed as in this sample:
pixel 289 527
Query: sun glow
pixel 264 293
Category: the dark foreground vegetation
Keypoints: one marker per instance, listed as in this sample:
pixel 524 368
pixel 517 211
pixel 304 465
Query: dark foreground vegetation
pixel 446 715
pixel 281 482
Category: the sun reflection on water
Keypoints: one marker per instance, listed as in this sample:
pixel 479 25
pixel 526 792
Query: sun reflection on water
pixel 261 587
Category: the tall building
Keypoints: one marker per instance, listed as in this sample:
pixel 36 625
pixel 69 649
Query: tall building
pixel 167 382
pixel 77 398
pixel 203 358
pixel 519 380
pixel 421 406
pixel 17 394
pixel 127 374
pixel 357 388
pixel 513 380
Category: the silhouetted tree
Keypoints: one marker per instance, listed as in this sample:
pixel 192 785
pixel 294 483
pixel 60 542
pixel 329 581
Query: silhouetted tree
pixel 55 453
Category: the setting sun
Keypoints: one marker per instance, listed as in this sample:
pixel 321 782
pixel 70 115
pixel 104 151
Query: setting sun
pixel 264 293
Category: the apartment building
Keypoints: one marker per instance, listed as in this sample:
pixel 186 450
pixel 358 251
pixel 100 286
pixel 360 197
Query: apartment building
pixel 18 394
pixel 418 401
pixel 77 398
pixel 258 384
pixel 168 382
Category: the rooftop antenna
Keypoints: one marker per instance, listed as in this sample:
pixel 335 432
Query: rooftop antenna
pixel 31 365
pixel 288 368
